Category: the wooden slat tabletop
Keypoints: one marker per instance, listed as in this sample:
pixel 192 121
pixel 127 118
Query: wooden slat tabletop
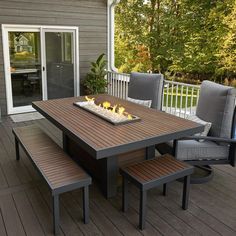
pixel 102 139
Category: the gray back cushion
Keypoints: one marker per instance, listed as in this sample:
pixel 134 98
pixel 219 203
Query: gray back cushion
pixel 145 86
pixel 216 105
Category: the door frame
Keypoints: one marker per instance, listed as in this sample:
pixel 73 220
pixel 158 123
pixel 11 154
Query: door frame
pixel 36 28
pixel 75 32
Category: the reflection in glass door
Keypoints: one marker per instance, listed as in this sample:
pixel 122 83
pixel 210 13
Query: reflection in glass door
pixel 59 63
pixel 25 67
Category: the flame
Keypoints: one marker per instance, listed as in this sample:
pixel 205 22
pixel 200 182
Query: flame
pixel 129 117
pixel 89 99
pixel 106 105
pixel 114 109
pixel 121 110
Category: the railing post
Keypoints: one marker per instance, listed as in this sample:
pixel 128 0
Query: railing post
pixel 186 102
pixel 176 98
pixel 167 97
pixel 191 102
pixel 171 98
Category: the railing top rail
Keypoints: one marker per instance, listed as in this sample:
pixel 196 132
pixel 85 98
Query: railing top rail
pixel 127 76
pixel 183 84
pixel 113 72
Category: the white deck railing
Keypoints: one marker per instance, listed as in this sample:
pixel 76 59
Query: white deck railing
pixel 178 98
pixel 118 84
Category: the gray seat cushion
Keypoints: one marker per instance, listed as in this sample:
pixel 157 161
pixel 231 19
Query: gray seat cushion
pixel 145 86
pixel 216 105
pixel 194 150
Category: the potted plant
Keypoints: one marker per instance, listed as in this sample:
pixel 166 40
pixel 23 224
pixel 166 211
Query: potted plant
pixel 95 81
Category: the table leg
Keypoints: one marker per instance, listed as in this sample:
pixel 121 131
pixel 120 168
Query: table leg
pixel 65 140
pixel 104 170
pixel 174 150
pixel 109 172
pixel 150 152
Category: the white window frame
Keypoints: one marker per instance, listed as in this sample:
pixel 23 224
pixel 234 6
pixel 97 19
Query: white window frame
pixel 35 28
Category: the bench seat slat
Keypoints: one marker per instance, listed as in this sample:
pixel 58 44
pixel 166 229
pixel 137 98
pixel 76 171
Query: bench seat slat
pixel 156 168
pixel 54 164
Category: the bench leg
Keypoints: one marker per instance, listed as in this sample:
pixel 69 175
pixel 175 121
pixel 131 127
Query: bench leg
pixel 125 195
pixel 186 188
pixel 86 204
pixel 17 149
pixel 56 214
pixel 164 189
pixel 150 152
pixel 142 209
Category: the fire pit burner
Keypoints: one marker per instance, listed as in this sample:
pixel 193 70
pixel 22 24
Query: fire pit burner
pixel 116 115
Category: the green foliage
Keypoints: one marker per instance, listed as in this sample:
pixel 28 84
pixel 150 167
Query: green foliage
pixel 186 38
pixel 227 53
pixel 95 81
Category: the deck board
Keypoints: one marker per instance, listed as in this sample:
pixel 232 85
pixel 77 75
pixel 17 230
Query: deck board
pixel 25 202
pixel 2 226
pixel 27 215
pixel 42 210
pixel 10 216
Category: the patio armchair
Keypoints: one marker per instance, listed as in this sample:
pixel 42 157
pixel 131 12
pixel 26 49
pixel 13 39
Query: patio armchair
pixel 216 105
pixel 145 87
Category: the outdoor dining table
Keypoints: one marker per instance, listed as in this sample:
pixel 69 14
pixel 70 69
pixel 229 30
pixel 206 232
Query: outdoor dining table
pixel 101 147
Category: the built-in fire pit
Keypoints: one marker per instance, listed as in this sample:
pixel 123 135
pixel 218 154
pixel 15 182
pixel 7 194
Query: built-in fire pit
pixel 115 114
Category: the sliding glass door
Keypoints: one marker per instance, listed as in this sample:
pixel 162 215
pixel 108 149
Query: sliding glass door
pixel 40 63
pixel 59 63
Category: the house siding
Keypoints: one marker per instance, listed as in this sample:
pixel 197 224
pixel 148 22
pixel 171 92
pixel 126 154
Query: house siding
pixel 90 16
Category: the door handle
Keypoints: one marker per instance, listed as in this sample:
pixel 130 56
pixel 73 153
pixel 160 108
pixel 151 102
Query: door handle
pixel 43 68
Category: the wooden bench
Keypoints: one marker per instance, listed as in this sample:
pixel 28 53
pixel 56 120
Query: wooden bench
pixel 152 173
pixel 61 173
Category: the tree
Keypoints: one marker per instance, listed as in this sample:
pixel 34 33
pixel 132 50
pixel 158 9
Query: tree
pixel 177 37
pixel 227 54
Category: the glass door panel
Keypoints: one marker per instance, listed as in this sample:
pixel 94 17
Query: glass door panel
pixel 59 59
pixel 25 67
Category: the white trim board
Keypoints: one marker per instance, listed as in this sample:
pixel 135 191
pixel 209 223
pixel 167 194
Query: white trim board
pixel 111 34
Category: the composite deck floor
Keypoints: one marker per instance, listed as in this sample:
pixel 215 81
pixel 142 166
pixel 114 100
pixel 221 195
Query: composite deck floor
pixel 25 202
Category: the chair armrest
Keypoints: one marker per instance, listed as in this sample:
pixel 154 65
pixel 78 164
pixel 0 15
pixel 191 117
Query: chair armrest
pixel 215 139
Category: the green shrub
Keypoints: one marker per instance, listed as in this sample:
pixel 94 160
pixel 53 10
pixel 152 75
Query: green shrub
pixel 95 81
